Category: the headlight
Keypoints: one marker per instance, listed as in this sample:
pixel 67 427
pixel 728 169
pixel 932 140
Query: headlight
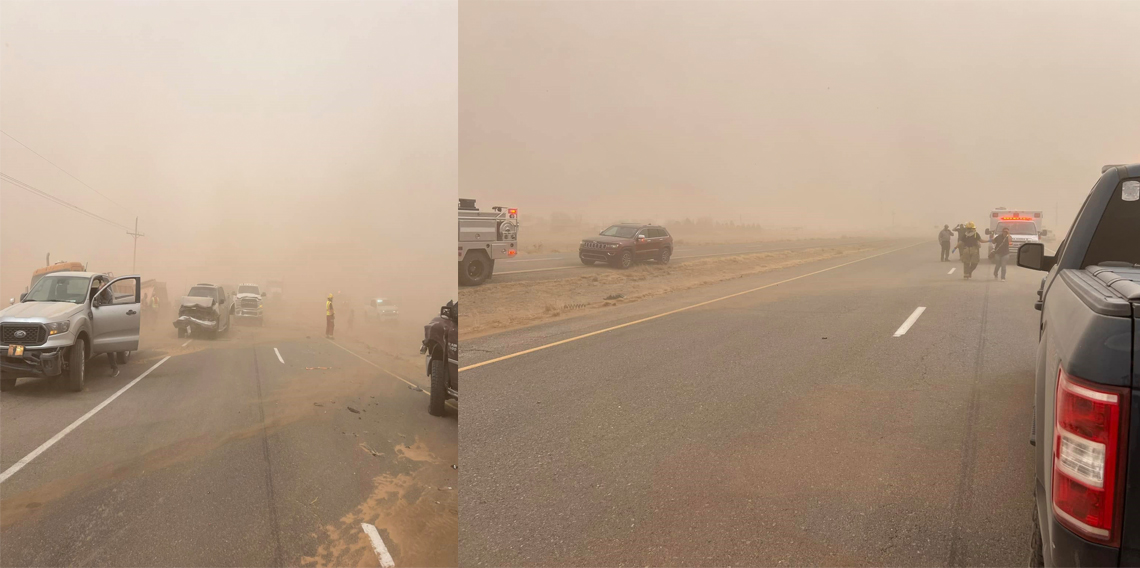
pixel 58 327
pixel 260 305
pixel 613 245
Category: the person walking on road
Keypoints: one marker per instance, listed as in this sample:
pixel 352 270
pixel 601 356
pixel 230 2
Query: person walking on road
pixel 153 305
pixel 1001 252
pixel 944 237
pixel 969 243
pixel 330 317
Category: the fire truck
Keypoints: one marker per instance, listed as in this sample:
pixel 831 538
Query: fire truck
pixel 484 237
pixel 1024 227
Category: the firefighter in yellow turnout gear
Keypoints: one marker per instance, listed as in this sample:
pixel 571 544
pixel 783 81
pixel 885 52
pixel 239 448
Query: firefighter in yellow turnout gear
pixel 969 247
pixel 330 317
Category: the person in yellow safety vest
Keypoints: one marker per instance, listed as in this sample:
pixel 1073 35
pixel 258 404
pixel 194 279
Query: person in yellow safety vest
pixel 330 315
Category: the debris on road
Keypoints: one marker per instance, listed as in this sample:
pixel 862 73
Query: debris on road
pixel 353 410
pixel 370 450
pixel 317 404
pixel 614 297
pixel 315 368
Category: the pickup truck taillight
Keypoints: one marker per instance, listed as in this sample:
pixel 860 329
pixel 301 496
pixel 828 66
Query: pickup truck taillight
pixel 1089 434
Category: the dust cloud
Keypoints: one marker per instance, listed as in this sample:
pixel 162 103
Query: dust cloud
pixel 312 143
pixel 819 118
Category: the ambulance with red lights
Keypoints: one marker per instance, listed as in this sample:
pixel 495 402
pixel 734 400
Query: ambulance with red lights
pixel 1024 227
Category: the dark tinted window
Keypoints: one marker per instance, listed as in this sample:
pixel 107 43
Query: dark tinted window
pixel 1117 236
pixel 619 231
pixel 664 233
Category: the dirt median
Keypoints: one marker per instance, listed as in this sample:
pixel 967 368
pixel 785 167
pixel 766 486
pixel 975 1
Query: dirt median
pixel 495 307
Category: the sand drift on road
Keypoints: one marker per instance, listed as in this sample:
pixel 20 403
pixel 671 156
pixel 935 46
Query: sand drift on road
pixel 496 307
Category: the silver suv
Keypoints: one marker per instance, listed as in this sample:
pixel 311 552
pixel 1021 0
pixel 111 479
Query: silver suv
pixel 66 319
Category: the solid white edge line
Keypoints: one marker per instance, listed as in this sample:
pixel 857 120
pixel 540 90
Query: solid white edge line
pixel 378 546
pixel 278 355
pixel 43 447
pixel 406 381
pixel 952 270
pixel 678 310
pixel 910 321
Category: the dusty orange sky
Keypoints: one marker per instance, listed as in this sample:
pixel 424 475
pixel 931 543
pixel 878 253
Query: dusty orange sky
pixel 794 113
pixel 310 141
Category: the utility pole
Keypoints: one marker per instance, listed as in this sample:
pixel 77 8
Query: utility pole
pixel 136 235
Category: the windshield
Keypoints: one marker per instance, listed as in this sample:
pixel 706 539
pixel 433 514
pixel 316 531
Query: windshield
pixel 203 292
pixel 1018 228
pixel 72 289
pixel 248 290
pixel 619 231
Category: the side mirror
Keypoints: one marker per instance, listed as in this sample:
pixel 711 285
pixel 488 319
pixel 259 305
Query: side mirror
pixel 22 296
pixel 444 312
pixel 1032 255
pixel 989 232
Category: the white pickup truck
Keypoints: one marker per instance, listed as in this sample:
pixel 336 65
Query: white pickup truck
pixel 64 320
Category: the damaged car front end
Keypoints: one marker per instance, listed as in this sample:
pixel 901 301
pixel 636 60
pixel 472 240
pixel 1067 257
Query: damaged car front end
pixel 197 316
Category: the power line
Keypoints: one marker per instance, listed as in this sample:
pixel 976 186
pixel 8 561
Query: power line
pixel 50 197
pixel 61 169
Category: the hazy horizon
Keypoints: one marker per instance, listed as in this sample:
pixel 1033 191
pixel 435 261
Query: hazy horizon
pixel 309 142
pixel 837 115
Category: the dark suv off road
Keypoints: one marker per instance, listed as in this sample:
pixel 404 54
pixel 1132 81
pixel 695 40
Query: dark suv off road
pixel 621 245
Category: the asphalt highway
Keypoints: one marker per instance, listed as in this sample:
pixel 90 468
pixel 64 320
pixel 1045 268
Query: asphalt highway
pixel 788 418
pixel 567 265
pixel 240 451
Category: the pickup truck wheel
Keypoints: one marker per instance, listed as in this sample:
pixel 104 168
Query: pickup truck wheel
pixel 475 269
pixel 77 363
pixel 438 388
pixel 7 382
pixel 666 253
pixel 1036 547
pixel 625 260
pixel 122 357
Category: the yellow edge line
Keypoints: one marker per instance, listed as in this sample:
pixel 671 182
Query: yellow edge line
pixel 678 310
pixel 406 381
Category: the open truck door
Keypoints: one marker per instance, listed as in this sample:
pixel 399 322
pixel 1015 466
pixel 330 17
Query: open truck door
pixel 115 316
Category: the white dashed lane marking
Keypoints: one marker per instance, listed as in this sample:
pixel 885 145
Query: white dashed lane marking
pixel 378 546
pixel 909 321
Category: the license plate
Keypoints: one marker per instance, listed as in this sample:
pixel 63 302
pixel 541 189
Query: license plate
pixel 15 350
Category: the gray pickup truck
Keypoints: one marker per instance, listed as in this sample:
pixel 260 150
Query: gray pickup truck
pixel 1086 420
pixel 64 320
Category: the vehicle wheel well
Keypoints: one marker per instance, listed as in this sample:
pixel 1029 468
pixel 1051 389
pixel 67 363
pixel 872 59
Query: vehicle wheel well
pixel 435 349
pixel 86 343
